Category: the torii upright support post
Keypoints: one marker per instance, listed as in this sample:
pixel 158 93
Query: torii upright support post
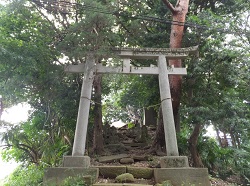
pixel 78 159
pixel 167 110
pixel 83 111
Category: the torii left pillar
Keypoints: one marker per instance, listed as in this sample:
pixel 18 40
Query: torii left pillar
pixel 78 165
pixel 78 159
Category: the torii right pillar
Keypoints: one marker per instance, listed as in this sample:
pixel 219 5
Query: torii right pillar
pixel 167 110
pixel 174 167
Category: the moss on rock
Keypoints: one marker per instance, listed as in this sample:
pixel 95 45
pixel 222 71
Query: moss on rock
pixel 111 171
pixel 141 172
pixel 125 178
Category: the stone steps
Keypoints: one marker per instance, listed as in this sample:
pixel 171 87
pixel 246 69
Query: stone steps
pixel 113 171
pixel 119 184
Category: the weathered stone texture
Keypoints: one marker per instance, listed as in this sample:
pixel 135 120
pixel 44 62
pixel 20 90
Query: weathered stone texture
pixel 55 176
pixel 113 158
pixel 183 176
pixel 76 161
pixel 111 171
pixel 141 172
pixel 174 161
pixel 127 160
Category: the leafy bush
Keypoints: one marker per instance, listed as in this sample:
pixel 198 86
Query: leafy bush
pixel 74 181
pixel 224 162
pixel 31 175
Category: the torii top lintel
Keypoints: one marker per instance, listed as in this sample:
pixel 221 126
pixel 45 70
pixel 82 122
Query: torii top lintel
pixel 140 53
pixel 153 53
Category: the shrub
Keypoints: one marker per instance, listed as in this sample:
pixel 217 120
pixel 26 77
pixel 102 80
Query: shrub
pixel 31 175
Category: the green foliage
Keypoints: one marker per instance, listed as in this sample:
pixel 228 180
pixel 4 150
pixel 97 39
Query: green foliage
pixel 129 96
pixel 28 143
pixel 217 83
pixel 25 55
pixel 31 175
pixel 131 125
pixel 74 181
pixel 90 31
pixel 223 162
pixel 167 183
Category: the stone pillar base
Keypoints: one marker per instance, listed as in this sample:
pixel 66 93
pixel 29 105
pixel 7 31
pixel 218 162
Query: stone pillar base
pixel 76 161
pixel 56 176
pixel 182 176
pixel 174 162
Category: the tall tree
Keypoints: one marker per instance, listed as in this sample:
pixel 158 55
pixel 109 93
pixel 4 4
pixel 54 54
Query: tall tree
pixel 179 12
pixel 84 27
pixel 30 72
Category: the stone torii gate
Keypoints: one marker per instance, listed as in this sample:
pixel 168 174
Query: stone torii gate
pixel 172 167
pixel 90 68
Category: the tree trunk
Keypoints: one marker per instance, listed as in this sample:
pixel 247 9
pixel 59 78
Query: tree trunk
pixel 150 116
pixel 224 140
pixel 98 147
pixel 233 139
pixel 237 137
pixel 1 107
pixel 177 29
pixel 193 140
pixel 159 140
pixel 218 136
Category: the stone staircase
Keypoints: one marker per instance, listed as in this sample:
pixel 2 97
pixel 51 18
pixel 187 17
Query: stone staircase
pixel 119 184
pixel 147 170
pixel 123 140
pixel 140 175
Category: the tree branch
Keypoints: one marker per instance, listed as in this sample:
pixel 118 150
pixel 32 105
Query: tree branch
pixel 27 149
pixel 170 6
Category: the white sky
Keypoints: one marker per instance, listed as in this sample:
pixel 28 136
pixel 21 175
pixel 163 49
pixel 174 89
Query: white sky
pixel 12 115
pixel 17 113
pixel 6 168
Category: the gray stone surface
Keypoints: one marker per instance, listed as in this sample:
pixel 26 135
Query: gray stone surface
pixel 174 161
pixel 127 160
pixel 84 104
pixel 140 157
pixel 112 158
pixel 111 171
pixel 76 161
pixel 119 184
pixel 183 176
pixel 55 176
pixel 141 172
pixel 167 110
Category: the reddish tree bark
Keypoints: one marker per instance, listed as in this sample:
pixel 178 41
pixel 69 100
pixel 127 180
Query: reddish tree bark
pixel 179 12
